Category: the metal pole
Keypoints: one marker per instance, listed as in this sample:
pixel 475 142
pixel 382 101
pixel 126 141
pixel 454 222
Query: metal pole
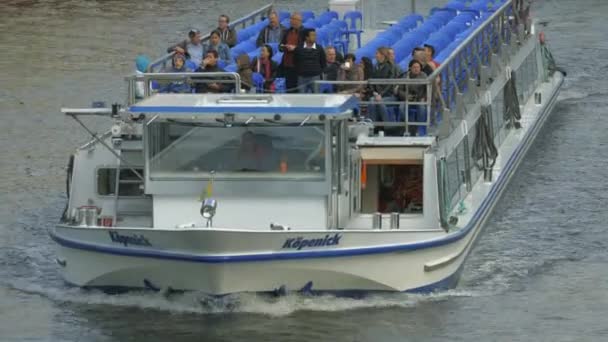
pixel 413 2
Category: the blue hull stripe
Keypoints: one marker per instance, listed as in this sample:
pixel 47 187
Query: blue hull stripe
pixel 347 252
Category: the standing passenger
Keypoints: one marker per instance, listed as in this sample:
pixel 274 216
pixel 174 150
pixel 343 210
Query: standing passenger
pixel 310 61
pixel 227 34
pixel 291 39
pixel 271 33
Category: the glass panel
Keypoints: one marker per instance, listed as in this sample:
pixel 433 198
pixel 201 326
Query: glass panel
pixel 193 150
pixel 130 184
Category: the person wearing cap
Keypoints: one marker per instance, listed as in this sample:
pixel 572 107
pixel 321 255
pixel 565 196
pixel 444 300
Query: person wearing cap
pixel 192 48
pixel 227 34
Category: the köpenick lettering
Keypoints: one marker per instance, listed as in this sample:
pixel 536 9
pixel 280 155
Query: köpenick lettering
pixel 138 240
pixel 300 242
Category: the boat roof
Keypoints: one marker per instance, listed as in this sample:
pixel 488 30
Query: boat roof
pixel 208 104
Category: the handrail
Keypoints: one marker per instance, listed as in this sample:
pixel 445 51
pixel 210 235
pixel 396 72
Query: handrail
pixel 470 38
pixel 214 77
pixel 263 11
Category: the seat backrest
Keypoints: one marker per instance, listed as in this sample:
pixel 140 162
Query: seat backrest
pixel 307 15
pixel 354 20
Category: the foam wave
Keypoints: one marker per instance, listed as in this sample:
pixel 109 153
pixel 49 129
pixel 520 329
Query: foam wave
pixel 247 303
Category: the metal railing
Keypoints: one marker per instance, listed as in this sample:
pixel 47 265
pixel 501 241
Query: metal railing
pixel 259 14
pixel 145 81
pixel 462 76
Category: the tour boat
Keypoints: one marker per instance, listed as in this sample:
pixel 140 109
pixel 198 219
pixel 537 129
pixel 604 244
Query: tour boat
pixel 271 193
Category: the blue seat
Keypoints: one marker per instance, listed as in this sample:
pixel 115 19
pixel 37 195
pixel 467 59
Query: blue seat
pixel 307 15
pixel 221 63
pixel 258 82
pixel 326 17
pixel 242 35
pixel 354 20
pixel 277 57
pixel 286 23
pixel 280 85
pixel 191 65
pixel 325 88
pixel 274 46
pixel 310 24
pixel 231 68
pixel 284 15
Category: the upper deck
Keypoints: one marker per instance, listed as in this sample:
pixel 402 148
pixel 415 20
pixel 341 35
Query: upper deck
pixel 474 44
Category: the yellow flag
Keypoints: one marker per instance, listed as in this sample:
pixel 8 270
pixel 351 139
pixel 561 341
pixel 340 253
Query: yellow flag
pixel 208 192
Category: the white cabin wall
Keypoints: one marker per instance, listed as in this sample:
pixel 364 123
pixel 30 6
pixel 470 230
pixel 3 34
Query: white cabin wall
pixel 243 212
pixel 430 191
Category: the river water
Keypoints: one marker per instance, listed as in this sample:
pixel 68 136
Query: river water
pixel 539 272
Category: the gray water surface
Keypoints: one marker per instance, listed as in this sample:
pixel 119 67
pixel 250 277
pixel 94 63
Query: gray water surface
pixel 538 273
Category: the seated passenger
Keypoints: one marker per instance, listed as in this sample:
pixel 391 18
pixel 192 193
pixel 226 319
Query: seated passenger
pixel 376 110
pixel 351 71
pixel 244 70
pixel 396 68
pixel 216 44
pixel 429 50
pixel 330 72
pixel 414 93
pixel 227 34
pixel 310 61
pixel 420 55
pixel 178 65
pixel 267 67
pixel 209 64
pixel 272 33
pixel 192 47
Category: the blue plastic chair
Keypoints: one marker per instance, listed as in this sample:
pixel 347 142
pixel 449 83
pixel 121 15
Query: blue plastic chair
pixel 307 15
pixel 284 15
pixel 231 67
pixel 354 19
pixel 191 65
pixel 258 82
pixel 326 17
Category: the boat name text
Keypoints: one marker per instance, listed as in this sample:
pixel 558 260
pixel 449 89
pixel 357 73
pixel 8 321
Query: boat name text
pixel 126 240
pixel 300 242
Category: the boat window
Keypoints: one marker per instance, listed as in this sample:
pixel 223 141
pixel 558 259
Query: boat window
pixel 188 150
pixel 129 183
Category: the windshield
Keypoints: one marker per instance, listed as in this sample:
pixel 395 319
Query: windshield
pixel 193 150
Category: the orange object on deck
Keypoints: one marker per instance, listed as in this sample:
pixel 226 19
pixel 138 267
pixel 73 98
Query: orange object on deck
pixel 363 175
pixel 283 166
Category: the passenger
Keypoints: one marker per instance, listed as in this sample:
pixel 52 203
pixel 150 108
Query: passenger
pixel 376 110
pixel 141 66
pixel 256 153
pixel 227 34
pixel 330 72
pixel 368 67
pixel 420 55
pixel 215 43
pixel 396 68
pixel 267 67
pixel 414 93
pixel 192 48
pixel 209 64
pixel 271 33
pixel 310 61
pixel 292 38
pixel 351 71
pixel 178 64
pixel 429 50
pixel 244 70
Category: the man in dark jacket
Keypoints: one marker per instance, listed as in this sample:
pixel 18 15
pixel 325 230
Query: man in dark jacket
pixel 209 64
pixel 292 38
pixel 310 61
pixel 227 34
pixel 331 71
pixel 273 33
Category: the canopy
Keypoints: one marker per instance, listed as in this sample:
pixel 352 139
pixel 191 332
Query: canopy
pixel 288 104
